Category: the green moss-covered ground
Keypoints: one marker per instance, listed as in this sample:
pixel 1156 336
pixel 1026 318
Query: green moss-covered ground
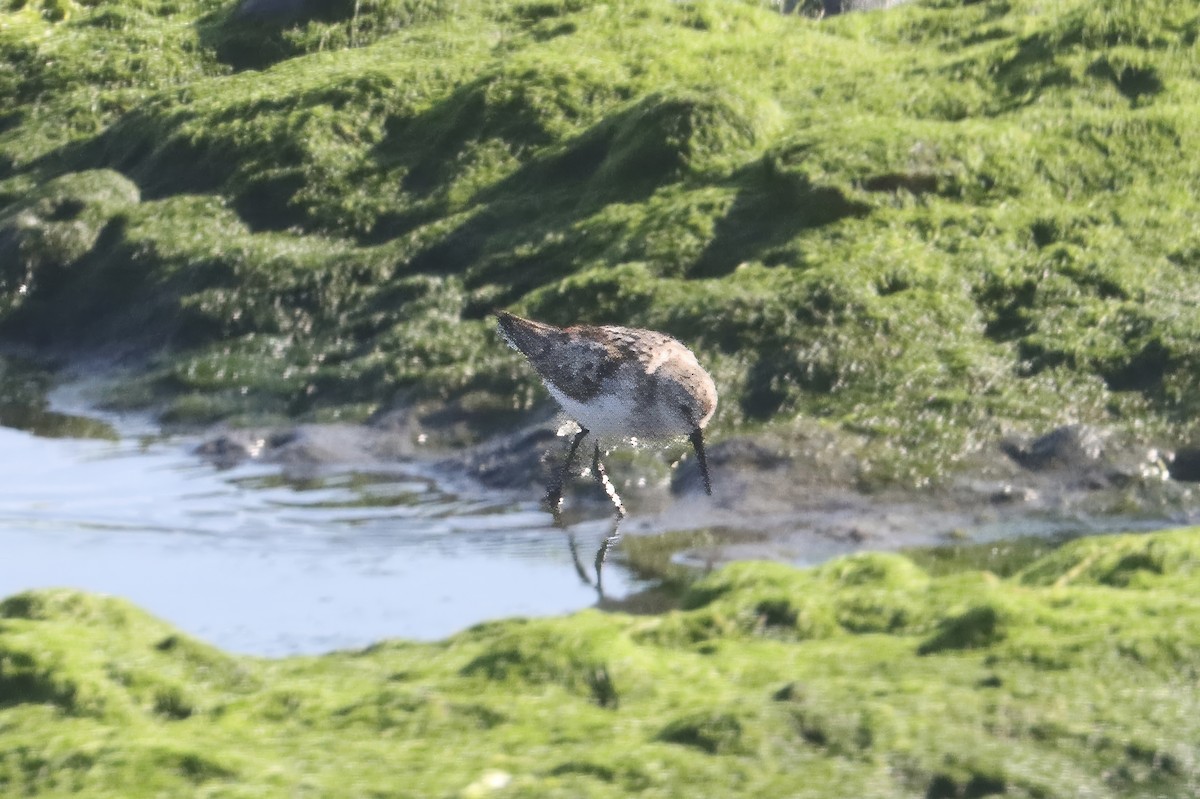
pixel 866 677
pixel 928 226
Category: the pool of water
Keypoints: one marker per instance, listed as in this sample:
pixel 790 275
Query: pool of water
pixel 261 563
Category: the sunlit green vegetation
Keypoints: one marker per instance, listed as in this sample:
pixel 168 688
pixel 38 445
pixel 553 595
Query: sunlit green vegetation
pixel 865 677
pixel 925 227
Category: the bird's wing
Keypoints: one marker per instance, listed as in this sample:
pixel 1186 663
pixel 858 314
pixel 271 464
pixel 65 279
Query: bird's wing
pixel 578 365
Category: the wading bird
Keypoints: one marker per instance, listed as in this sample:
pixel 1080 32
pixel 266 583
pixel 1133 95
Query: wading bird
pixel 616 382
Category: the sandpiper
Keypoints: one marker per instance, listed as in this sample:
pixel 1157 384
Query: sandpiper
pixel 617 382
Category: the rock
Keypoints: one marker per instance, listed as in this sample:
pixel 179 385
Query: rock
pixel 831 8
pixel 1071 447
pixel 1013 495
pixel 312 445
pixel 515 462
pixel 231 449
pixel 1185 465
pixel 727 460
pixel 846 6
pixel 307 445
pixel 1077 456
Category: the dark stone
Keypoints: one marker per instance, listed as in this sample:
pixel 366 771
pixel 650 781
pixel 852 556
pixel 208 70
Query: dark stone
pixel 829 8
pixel 742 455
pixel 1185 465
pixel 515 462
pixel 912 182
pixel 833 7
pixel 1013 495
pixel 229 449
pixel 1073 446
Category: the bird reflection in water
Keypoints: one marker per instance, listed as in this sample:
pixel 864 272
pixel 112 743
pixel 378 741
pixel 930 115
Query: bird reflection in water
pixel 615 382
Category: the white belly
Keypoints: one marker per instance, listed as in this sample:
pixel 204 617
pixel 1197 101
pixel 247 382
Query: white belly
pixel 618 415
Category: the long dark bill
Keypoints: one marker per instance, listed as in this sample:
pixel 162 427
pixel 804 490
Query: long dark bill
pixel 697 439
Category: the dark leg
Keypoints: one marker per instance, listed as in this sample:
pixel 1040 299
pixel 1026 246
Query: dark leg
pixel 602 553
pixel 554 496
pixel 602 477
pixel 555 493
pixel 583 575
pixel 572 545
pixel 605 483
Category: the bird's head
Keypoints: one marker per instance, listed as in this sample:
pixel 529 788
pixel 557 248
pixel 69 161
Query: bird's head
pixel 695 395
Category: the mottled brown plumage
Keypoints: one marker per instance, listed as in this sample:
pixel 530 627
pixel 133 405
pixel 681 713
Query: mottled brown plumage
pixel 619 381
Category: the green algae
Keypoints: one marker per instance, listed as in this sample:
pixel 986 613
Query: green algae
pixel 928 227
pixel 24 405
pixel 867 676
pixel 44 238
pixel 1003 558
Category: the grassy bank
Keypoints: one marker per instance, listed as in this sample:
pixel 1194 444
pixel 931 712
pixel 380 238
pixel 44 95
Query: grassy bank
pixel 867 676
pixel 926 227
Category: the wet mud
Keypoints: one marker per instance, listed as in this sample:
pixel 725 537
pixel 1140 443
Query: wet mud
pixel 799 501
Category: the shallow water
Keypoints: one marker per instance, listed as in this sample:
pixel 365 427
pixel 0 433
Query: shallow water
pixel 270 561
pixel 258 563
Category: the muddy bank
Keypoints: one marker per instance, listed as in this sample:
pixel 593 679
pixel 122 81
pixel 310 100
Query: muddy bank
pixel 799 499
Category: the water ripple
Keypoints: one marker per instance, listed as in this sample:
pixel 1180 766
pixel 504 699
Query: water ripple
pixel 259 562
